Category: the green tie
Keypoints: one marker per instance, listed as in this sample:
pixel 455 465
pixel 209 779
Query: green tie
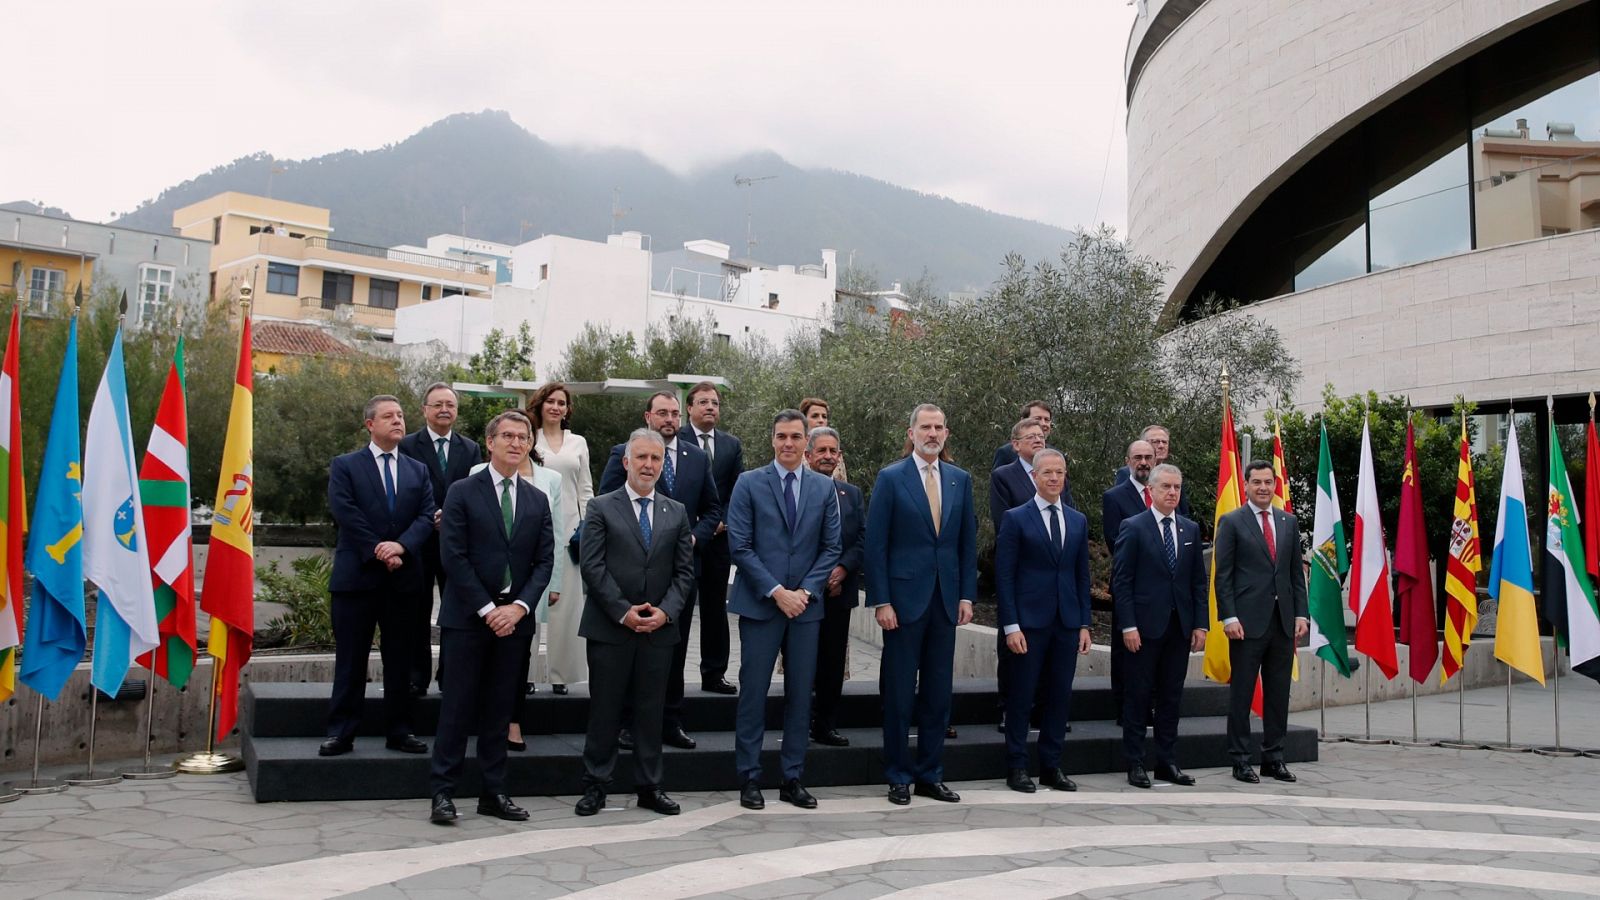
pixel 505 515
pixel 441 442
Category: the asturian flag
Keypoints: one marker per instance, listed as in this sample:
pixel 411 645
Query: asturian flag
pixel 116 553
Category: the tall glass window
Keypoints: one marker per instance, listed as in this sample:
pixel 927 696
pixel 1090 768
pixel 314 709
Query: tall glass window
pixel 1425 216
pixel 1538 166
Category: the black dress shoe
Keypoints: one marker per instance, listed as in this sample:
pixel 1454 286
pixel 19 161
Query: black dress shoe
pixel 1246 775
pixel 718 686
pixel 1174 775
pixel 518 746
pixel 444 811
pixel 407 744
pixel 1278 771
pixel 592 801
pixel 794 792
pixel 529 688
pixel 418 691
pixel 936 790
pixel 1057 780
pixel 677 737
pixel 656 799
pixel 1018 780
pixel 1138 777
pixel 900 794
pixel 335 747
pixel 501 807
pixel 750 796
pixel 560 690
pixel 830 738
pixel 624 740
pixel 950 733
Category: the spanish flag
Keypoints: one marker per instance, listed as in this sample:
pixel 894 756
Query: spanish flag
pixel 228 595
pixel 1230 496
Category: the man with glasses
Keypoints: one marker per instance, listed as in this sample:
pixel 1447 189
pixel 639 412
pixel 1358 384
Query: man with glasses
pixel 448 457
pixel 1037 410
pixel 1160 441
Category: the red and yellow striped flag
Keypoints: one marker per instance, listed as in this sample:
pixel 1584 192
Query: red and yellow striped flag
pixel 1462 568
pixel 13 513
pixel 230 584
pixel 1280 469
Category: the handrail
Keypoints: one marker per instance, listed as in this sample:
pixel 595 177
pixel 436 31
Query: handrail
pixel 402 256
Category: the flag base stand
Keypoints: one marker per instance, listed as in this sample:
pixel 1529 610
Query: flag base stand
pixel 1370 741
pixel 1592 754
pixel 1399 743
pixel 209 762
pixel 7 794
pixel 36 786
pixel 1367 740
pixel 89 777
pixel 1461 745
pixel 1562 752
pixel 1508 748
pixel 148 773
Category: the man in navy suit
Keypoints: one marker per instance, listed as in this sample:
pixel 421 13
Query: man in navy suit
pixel 1006 453
pixel 823 455
pixel 686 478
pixel 1011 485
pixel 382 503
pixel 1159 581
pixel 922 572
pixel 783 533
pixel 1041 573
pixel 727 462
pixel 497 544
pixel 449 457
pixel 1124 499
pixel 1160 442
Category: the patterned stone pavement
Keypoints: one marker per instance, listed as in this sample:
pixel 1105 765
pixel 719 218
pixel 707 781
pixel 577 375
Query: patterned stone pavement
pixel 1377 822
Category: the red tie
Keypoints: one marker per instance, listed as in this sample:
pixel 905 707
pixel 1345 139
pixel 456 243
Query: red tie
pixel 1146 491
pixel 1266 531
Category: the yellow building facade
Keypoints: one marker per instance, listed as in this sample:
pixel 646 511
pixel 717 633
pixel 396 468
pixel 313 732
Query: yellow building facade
pixel 44 277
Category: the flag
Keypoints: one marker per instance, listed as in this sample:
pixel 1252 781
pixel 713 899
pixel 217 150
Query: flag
pixel 1413 580
pixel 1230 496
pixel 56 635
pixel 1370 598
pixel 1516 629
pixel 228 595
pixel 1591 506
pixel 1568 594
pixel 1461 572
pixel 164 488
pixel 1329 563
pixel 1280 469
pixel 13 515
pixel 116 551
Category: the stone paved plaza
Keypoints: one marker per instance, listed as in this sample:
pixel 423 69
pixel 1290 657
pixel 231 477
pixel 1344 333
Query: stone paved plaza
pixel 1377 822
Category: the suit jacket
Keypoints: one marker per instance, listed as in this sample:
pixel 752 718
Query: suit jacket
pixel 1183 498
pixel 1010 486
pixel 619 573
pixel 462 455
pixel 476 551
pixel 693 486
pixel 905 560
pixel 361 511
pixel 1249 582
pixel 728 463
pixel 769 554
pixel 1039 583
pixel 1145 591
pixel 852 539
pixel 1120 501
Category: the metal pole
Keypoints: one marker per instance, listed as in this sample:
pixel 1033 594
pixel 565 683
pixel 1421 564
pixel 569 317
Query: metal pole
pixel 1416 741
pixel 87 778
pixel 1322 700
pixel 1366 702
pixel 1461 742
pixel 147 771
pixel 1557 749
pixel 1508 747
pixel 208 761
pixel 35 785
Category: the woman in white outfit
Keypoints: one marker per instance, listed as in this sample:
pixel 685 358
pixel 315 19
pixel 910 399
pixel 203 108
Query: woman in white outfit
pixel 567 454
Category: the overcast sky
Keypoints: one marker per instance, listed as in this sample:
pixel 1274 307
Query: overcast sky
pixel 1014 106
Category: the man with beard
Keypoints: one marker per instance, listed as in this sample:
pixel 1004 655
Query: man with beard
pixel 1126 498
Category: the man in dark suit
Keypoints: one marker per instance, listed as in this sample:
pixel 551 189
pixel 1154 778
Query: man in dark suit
pixel 823 455
pixel 496 543
pixel 1261 603
pixel 1160 442
pixel 1006 453
pixel 1012 485
pixel 1159 580
pixel 1041 573
pixel 922 572
pixel 685 476
pixel 382 503
pixel 448 457
pixel 727 462
pixel 783 532
pixel 637 561
pixel 1125 498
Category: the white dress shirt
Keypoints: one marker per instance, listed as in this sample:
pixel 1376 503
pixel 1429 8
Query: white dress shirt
pixel 434 438
pixel 650 513
pixel 799 477
pixel 394 463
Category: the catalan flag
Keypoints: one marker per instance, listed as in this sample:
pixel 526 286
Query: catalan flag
pixel 1462 567
pixel 228 595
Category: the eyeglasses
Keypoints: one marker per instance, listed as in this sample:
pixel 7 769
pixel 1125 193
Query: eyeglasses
pixel 514 437
pixel 441 404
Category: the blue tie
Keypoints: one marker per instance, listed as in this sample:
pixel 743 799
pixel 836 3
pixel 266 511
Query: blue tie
pixel 788 499
pixel 644 520
pixel 1171 547
pixel 1055 528
pixel 388 481
pixel 669 475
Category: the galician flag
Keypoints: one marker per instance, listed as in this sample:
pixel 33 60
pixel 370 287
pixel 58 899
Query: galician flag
pixel 1462 568
pixel 116 551
pixel 1329 563
pixel 1370 597
pixel 13 515
pixel 228 594
pixel 164 489
pixel 1568 594
pixel 1516 629
pixel 57 635
pixel 1230 496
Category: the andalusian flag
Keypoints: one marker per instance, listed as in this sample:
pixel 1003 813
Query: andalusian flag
pixel 1568 594
pixel 1462 568
pixel 1370 597
pixel 164 488
pixel 228 595
pixel 1516 631
pixel 1230 496
pixel 13 516
pixel 1329 563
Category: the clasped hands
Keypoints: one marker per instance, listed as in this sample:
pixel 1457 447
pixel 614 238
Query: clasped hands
pixel 502 620
pixel 790 603
pixel 643 618
pixel 389 553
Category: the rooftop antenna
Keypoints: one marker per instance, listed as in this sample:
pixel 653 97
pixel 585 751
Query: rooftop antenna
pixel 617 209
pixel 740 181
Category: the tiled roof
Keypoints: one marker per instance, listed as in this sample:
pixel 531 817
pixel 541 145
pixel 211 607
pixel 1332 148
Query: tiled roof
pixel 295 340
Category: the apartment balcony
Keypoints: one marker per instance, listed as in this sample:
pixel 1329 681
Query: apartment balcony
pixel 468 276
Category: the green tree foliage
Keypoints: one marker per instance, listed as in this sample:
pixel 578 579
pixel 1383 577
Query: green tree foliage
pixel 503 358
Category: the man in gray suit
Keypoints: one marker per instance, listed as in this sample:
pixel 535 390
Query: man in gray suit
pixel 783 534
pixel 638 573
pixel 1261 603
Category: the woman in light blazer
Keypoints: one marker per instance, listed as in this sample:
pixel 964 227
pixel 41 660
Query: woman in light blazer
pixel 566 454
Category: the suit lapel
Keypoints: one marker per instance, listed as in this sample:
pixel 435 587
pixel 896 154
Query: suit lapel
pixel 1035 521
pixel 946 488
pixel 776 484
pixel 494 501
pixel 375 481
pixel 911 483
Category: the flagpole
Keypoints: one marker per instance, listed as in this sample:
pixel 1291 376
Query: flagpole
pixel 1555 684
pixel 148 772
pixel 88 778
pixel 1366 670
pixel 1508 747
pixel 209 761
pixel 37 785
